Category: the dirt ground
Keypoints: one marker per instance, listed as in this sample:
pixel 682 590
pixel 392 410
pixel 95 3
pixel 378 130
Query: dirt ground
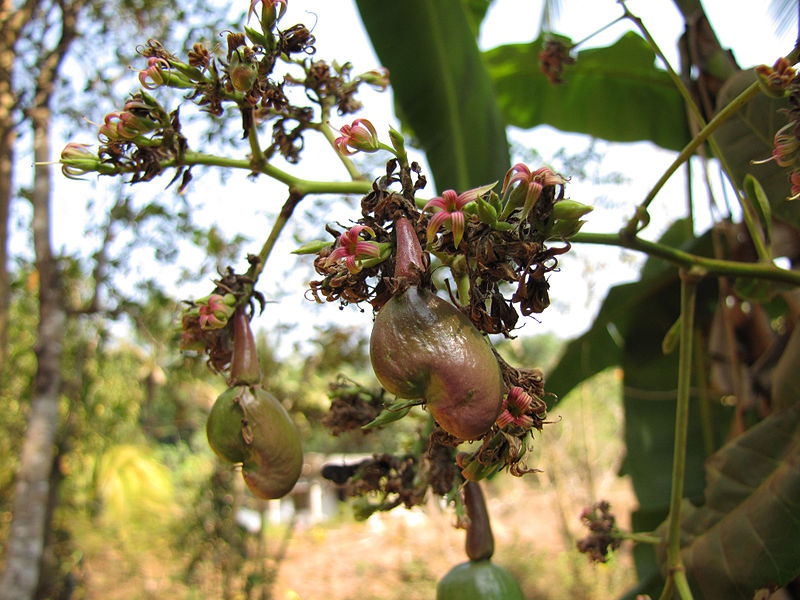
pixel 404 553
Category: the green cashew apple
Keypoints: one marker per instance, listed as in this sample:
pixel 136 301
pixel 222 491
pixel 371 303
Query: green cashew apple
pixel 424 347
pixel 248 425
pixel 478 580
pixel 224 426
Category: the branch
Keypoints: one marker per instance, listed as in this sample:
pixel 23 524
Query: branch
pixel 710 266
pixel 296 185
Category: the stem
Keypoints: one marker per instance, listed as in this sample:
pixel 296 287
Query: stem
pixel 689 281
pixel 599 31
pixel 706 416
pixel 258 161
pixel 283 217
pixel 642 538
pixel 687 96
pixel 302 187
pixel 682 585
pixel 666 593
pixel 327 131
pixel 702 135
pixel 711 266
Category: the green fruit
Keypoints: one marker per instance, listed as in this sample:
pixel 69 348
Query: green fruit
pixel 248 425
pixel 478 580
pixel 275 455
pixel 424 347
pixel 224 426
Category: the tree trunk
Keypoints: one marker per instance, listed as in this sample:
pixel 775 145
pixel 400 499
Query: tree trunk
pixel 11 23
pixel 28 527
pixel 29 523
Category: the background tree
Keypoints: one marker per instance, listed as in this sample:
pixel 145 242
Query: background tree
pixel 38 37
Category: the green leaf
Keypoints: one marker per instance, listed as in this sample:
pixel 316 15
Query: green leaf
pixel 476 11
pixel 673 337
pixel 442 88
pixel 748 135
pixel 747 534
pixel 615 93
pixel 785 380
pixel 394 412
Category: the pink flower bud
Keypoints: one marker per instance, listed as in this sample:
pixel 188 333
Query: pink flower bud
pixel 153 73
pixel 361 135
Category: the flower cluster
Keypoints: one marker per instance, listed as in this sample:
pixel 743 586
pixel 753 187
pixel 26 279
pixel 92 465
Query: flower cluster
pixel 604 536
pixel 553 58
pixel 786 143
pixel 775 80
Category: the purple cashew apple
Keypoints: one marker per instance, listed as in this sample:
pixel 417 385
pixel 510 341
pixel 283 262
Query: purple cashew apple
pixel 424 347
pixel 248 425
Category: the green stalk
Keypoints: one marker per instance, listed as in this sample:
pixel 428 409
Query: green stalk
pixel 327 131
pixel 283 217
pixel 701 137
pixel 642 538
pixel 297 185
pixel 706 416
pixel 711 266
pixel 682 585
pixel 257 160
pixel 689 281
pixel 705 133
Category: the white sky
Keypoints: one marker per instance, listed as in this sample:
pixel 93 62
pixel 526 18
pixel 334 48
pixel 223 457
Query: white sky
pixel 579 287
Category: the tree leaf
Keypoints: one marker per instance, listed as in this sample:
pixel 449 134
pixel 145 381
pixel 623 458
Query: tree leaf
pixel 748 135
pixel 442 88
pixel 785 382
pixel 747 534
pixel 615 93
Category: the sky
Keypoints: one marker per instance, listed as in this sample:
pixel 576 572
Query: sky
pixel 586 273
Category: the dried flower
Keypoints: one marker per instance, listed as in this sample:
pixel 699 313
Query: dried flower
pixel 553 58
pixel 776 79
pixel 377 78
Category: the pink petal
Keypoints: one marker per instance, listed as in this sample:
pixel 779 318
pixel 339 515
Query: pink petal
pixel 457 226
pixel 370 249
pixel 504 419
pixel 340 252
pixel 436 221
pixel 437 202
pixel 351 265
